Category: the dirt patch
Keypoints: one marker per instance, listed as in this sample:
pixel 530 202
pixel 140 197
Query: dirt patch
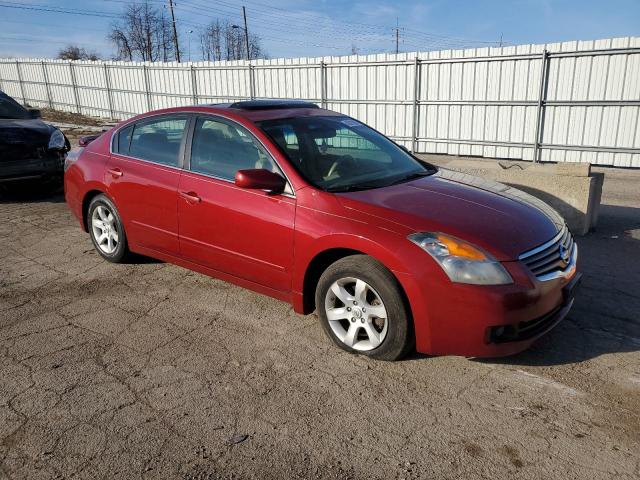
pixel 49 115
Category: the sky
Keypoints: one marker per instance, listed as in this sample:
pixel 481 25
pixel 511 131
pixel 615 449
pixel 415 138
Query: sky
pixel 297 28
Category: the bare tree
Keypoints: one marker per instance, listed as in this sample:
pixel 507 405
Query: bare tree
pixel 221 41
pixel 211 42
pixel 74 52
pixel 143 33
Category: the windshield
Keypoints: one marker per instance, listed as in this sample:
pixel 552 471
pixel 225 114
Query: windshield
pixel 341 154
pixel 9 108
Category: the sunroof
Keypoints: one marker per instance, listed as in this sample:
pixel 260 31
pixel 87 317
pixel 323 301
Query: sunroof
pixel 271 104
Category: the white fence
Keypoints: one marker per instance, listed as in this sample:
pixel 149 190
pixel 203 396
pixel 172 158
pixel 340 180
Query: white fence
pixel 572 101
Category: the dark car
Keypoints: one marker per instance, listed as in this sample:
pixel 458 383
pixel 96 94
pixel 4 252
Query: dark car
pixel 317 209
pixel 29 148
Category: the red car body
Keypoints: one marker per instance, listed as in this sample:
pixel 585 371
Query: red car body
pixel 279 244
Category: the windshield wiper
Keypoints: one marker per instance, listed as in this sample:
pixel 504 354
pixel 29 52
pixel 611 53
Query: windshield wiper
pixel 353 188
pixel 411 176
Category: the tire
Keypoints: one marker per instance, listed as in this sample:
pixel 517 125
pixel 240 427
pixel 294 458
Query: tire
pixel 362 309
pixel 110 240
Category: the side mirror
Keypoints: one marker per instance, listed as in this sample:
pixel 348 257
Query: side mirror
pixel 260 179
pixel 34 113
pixel 86 140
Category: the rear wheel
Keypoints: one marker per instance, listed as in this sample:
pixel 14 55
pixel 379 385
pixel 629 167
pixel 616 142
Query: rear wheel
pixel 361 308
pixel 106 230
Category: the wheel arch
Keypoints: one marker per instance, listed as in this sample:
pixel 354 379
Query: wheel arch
pixel 327 256
pixel 86 201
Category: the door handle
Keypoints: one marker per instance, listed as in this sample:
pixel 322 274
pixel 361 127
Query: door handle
pixel 116 172
pixel 190 197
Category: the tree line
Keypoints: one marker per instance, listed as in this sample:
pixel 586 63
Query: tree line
pixel 145 33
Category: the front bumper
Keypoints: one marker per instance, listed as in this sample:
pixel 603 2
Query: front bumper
pixel 486 321
pixel 29 169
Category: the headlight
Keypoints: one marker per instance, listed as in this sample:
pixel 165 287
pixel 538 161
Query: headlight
pixel 461 261
pixel 57 141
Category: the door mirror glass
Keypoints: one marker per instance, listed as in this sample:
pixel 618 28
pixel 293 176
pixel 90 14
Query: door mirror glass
pixel 260 179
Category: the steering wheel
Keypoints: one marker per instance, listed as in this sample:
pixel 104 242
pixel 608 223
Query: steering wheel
pixel 348 160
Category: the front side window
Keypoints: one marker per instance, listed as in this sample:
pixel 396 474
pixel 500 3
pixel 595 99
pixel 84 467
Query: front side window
pixel 157 140
pixel 340 154
pixel 220 149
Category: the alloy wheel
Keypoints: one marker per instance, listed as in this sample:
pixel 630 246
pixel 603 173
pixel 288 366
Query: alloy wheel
pixel 105 229
pixel 356 314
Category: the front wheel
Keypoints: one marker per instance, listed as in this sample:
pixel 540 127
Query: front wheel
pixel 362 310
pixel 106 229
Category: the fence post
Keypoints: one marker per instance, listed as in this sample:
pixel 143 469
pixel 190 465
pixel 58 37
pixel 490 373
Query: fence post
pixel 194 85
pixel 147 90
pixel 107 83
pixel 252 87
pixel 74 83
pixel 46 84
pixel 323 84
pixel 24 99
pixel 542 97
pixel 416 106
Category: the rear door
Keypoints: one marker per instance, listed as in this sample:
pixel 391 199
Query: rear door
pixel 142 178
pixel 246 233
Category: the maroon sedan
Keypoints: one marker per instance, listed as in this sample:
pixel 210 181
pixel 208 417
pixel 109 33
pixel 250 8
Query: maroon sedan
pixel 317 209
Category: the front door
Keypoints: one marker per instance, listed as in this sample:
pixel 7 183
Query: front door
pixel 245 233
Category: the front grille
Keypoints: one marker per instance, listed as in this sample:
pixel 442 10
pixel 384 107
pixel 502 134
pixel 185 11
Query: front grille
pixel 552 257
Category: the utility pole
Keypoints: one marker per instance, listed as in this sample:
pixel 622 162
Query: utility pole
pixel 397 29
pixel 175 31
pixel 246 32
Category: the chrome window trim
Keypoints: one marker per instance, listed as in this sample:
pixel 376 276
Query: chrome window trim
pixel 182 169
pixel 544 246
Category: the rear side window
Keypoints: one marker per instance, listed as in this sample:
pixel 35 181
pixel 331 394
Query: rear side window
pixel 157 140
pixel 123 140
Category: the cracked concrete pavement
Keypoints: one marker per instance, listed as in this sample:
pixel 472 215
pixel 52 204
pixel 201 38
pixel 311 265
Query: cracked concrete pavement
pixel 148 370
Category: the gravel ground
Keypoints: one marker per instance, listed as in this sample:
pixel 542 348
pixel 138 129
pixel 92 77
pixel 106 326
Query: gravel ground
pixel 148 370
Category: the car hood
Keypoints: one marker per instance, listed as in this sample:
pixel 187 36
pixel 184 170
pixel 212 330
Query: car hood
pixel 496 217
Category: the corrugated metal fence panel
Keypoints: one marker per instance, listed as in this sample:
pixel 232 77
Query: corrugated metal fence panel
pixel 593 79
pixel 480 102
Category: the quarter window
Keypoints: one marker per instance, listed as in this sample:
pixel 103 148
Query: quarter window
pixel 157 141
pixel 221 149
